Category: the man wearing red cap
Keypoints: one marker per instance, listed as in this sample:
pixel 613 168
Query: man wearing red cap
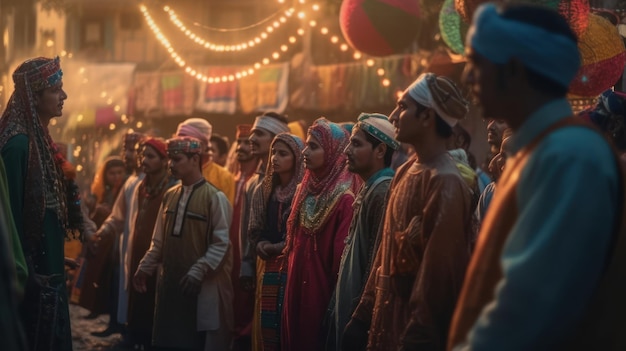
pixel 140 213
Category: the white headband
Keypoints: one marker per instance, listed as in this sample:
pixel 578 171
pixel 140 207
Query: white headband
pixel 270 124
pixel 420 92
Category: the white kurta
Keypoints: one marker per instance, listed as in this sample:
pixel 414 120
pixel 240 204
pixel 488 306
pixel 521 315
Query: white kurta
pixel 120 222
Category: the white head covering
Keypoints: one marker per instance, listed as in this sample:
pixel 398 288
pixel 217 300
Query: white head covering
pixel 197 128
pixel 271 124
pixel 440 94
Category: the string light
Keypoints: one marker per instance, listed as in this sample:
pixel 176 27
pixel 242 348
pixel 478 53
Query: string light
pixel 217 47
pixel 246 44
pixel 194 72
pixel 334 39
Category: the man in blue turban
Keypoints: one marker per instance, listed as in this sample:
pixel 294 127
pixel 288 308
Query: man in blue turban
pixel 543 275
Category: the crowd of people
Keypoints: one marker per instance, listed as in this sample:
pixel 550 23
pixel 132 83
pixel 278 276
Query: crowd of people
pixel 377 234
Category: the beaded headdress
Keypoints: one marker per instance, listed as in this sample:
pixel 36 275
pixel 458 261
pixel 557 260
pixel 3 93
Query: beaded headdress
pixel 45 75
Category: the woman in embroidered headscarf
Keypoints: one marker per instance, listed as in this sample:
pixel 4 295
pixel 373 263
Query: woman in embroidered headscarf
pixel 44 203
pixel 316 230
pixel 270 210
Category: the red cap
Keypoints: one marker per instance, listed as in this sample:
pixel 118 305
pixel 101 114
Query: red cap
pixel 158 144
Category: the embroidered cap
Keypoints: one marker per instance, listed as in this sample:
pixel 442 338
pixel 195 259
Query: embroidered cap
pixel 132 139
pixel 378 126
pixel 187 145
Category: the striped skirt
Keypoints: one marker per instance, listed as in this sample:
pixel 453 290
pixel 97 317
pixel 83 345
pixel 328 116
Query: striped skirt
pixel 272 294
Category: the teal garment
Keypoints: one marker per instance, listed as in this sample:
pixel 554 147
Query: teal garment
pixel 47 261
pixel 567 199
pixel 21 271
pixel 484 201
pixel 358 255
pixel 11 257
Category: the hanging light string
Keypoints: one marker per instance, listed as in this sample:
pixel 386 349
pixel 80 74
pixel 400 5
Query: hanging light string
pixel 243 45
pixel 333 38
pixel 238 29
pixel 220 47
pixel 196 72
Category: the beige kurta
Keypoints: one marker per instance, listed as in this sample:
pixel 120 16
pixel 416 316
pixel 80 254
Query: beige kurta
pixel 191 237
pixel 419 268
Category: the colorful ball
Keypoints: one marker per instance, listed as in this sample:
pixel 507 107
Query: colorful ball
pixel 466 8
pixel 379 27
pixel 603 58
pixel 452 27
pixel 576 12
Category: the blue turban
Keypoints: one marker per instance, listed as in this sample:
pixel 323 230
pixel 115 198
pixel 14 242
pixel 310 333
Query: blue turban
pixel 552 55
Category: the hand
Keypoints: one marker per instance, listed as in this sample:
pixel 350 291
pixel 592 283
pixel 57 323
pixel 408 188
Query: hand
pixel 247 283
pixel 100 212
pixel 261 250
pixel 275 249
pixel 92 245
pixel 355 335
pixel 190 285
pixel 139 281
pixel 71 263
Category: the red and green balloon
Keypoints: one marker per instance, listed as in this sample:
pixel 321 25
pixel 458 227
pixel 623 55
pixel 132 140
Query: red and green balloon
pixel 380 27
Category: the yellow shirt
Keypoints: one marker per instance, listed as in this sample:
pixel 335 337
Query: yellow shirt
pixel 221 179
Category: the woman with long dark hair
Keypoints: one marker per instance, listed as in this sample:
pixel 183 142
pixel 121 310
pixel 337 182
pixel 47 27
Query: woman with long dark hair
pixel 271 209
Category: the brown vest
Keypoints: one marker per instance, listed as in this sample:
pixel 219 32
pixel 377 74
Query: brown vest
pixel 604 324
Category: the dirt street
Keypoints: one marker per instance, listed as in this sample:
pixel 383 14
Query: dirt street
pixel 81 329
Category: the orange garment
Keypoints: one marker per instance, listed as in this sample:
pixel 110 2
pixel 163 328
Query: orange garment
pixel 418 272
pixel 221 179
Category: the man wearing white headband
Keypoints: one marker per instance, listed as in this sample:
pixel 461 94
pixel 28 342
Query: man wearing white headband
pixel 217 175
pixel 409 297
pixel 544 274
pixel 263 131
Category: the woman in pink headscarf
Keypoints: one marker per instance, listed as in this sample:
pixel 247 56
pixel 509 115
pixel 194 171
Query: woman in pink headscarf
pixel 316 230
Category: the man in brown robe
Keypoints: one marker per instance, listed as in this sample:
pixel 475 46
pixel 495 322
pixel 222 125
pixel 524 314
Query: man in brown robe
pixel 427 234
pixel 147 197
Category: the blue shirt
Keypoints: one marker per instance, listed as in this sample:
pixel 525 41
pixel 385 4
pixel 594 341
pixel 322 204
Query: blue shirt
pixel 567 197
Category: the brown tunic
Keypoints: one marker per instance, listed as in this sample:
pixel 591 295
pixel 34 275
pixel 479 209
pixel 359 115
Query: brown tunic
pixel 141 305
pixel 419 268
